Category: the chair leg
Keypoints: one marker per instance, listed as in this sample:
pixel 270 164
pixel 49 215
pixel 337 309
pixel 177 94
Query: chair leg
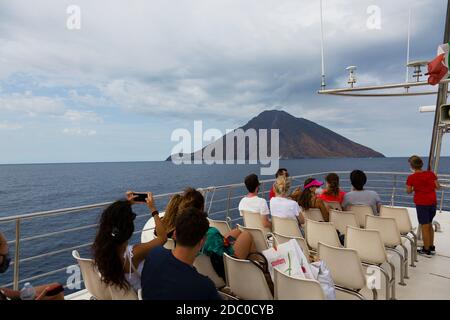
pixel 413 250
pixel 405 251
pixel 389 281
pixel 415 246
pixel 351 292
pixel 402 266
pixel 392 281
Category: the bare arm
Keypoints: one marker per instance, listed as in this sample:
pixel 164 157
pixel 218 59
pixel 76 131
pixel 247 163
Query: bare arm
pixel 266 222
pixel 301 218
pixel 438 185
pixel 141 250
pixel 409 189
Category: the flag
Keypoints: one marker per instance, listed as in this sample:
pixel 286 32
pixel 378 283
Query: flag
pixel 439 67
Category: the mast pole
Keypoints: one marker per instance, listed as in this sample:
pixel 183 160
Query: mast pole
pixel 436 140
pixel 323 84
pixel 409 47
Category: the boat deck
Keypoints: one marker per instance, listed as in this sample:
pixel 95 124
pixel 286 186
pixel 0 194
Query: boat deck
pixel 429 280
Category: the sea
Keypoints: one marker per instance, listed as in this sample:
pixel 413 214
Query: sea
pixel 29 188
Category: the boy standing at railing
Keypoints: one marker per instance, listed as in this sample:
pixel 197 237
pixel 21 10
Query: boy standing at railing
pixel 424 185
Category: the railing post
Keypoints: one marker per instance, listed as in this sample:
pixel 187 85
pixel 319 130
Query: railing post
pixel 17 257
pixel 442 201
pixel 394 189
pixel 229 201
pixel 262 190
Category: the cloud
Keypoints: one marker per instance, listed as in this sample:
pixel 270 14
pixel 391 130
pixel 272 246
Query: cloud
pixel 79 132
pixel 4 125
pixel 81 116
pixel 30 104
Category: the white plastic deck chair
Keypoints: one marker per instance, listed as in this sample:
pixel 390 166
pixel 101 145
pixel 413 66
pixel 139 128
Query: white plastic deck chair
pixel 222 226
pixel 254 220
pixel 371 250
pixel 204 266
pixel 92 279
pixel 287 227
pixel 280 239
pixel 313 214
pixel 401 216
pixel 258 238
pixel 342 219
pixel 289 288
pixel 333 205
pixel 361 211
pixel 246 280
pixel 119 294
pixel 324 232
pixel 346 270
pixel 391 239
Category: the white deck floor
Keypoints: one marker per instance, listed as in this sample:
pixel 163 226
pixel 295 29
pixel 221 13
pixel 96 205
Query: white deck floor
pixel 429 280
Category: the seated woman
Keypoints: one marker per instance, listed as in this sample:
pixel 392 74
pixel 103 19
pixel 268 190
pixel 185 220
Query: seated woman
pixel 281 205
pixel 42 292
pixel 119 263
pixel 332 193
pixel 309 199
pixel 235 243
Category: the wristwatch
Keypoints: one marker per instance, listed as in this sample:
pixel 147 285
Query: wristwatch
pixel 155 213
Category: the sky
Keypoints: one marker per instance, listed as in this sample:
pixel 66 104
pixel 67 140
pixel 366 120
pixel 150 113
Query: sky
pixel 116 88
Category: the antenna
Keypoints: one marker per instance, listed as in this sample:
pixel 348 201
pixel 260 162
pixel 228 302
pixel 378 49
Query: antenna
pixel 409 46
pixel 323 85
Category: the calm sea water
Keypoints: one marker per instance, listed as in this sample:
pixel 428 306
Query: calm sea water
pixel 32 188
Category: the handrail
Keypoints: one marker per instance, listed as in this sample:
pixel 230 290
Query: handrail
pixel 227 201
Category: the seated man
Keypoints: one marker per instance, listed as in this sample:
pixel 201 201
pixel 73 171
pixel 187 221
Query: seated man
pixel 52 291
pixel 359 196
pixel 170 275
pixel 252 203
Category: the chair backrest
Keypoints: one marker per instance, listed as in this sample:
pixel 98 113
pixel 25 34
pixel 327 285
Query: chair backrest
pixel 148 232
pixel 368 243
pixel 321 232
pixel 222 226
pixel 289 288
pixel 204 266
pixel 246 280
pixel 345 266
pixel 333 205
pixel 252 219
pixel 361 211
pixel 401 216
pixel 388 230
pixel 342 219
pixel 258 238
pixel 170 244
pixel 92 278
pixel 288 227
pixel 280 239
pixel 313 214
pixel 120 294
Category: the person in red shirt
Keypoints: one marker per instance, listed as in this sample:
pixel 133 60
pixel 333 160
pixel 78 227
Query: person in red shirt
pixel 332 193
pixel 424 185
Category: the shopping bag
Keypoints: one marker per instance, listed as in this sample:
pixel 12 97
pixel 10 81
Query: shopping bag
pixel 289 259
pixel 323 276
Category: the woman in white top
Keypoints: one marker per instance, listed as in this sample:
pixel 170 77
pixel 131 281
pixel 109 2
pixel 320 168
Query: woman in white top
pixel 119 263
pixel 283 207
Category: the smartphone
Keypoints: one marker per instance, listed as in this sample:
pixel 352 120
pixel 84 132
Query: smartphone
pixel 55 291
pixel 140 197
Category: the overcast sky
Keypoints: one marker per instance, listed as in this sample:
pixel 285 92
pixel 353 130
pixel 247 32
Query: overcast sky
pixel 136 70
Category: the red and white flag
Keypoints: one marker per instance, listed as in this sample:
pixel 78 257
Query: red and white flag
pixel 439 67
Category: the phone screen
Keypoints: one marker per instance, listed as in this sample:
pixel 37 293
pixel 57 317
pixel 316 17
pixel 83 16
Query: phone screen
pixel 140 197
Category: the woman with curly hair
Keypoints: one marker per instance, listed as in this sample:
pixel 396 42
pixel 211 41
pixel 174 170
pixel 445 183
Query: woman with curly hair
pixel 119 263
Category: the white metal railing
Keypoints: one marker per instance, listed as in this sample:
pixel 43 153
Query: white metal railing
pixel 392 185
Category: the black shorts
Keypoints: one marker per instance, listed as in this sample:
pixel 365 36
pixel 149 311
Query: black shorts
pixel 425 214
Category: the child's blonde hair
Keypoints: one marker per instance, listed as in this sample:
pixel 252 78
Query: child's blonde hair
pixel 282 185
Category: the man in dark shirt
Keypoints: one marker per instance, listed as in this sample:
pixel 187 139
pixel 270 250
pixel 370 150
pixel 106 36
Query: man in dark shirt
pixel 170 275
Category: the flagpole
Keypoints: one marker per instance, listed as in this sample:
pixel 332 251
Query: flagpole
pixel 436 140
pixel 409 47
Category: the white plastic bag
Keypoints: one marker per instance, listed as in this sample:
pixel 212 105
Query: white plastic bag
pixel 289 259
pixel 323 275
